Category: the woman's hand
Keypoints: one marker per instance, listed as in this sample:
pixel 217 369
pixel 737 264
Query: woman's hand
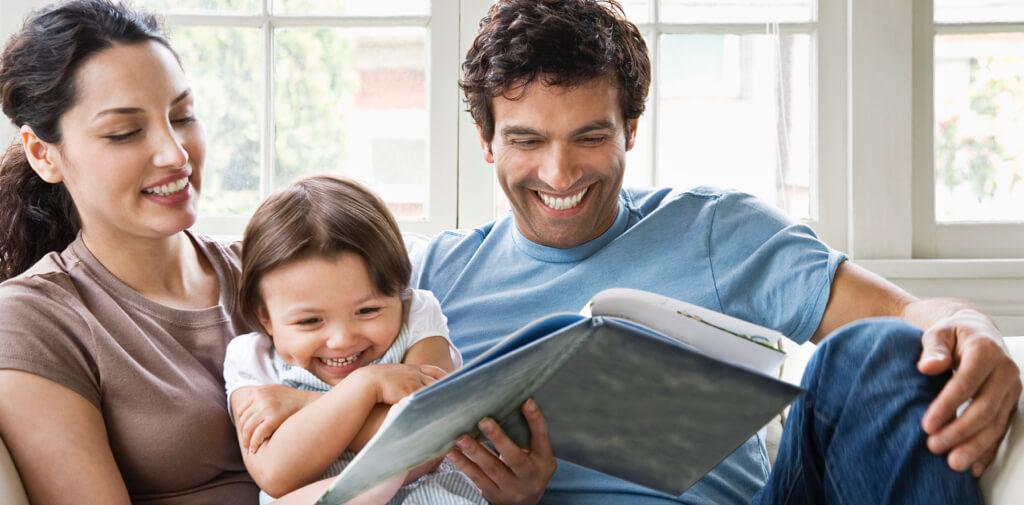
pixel 393 382
pixel 514 476
pixel 263 409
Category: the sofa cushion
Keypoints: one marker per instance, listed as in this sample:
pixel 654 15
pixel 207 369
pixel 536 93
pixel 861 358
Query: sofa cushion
pixel 1003 484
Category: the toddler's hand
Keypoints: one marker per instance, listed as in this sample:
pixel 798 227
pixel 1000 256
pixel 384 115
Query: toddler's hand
pixel 396 381
pixel 265 409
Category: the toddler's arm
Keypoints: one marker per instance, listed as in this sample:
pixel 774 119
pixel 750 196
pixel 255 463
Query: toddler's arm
pixel 312 438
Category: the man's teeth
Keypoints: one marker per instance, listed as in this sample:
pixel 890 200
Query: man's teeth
pixel 563 203
pixel 168 189
pixel 340 361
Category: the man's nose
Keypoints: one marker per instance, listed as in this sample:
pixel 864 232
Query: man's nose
pixel 558 170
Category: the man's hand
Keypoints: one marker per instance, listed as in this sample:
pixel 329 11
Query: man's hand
pixel 515 475
pixel 985 375
pixel 264 409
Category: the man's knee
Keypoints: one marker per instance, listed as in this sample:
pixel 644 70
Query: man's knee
pixel 888 337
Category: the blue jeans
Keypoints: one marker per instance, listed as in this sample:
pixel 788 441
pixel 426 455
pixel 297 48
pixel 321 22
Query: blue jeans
pixel 855 436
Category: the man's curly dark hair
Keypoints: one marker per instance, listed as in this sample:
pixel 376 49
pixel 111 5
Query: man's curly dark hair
pixel 562 42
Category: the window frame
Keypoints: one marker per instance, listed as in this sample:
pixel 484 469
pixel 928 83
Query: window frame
pixel 874 172
pixel 932 239
pixel 829 113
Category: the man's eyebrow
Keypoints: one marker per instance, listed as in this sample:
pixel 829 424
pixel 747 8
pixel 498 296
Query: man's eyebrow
pixel 137 110
pixel 518 130
pixel 601 124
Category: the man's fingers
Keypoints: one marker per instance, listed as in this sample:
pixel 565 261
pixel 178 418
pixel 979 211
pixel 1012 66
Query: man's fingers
pixel 965 455
pixel 937 345
pixel 982 464
pixel 540 444
pixel 473 471
pixel 489 463
pixel 513 455
pixel 982 412
pixel 968 378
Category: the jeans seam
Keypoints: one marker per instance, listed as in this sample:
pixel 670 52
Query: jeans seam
pixel 792 483
pixel 829 469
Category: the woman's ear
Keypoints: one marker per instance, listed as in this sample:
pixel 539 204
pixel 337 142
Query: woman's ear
pixel 40 155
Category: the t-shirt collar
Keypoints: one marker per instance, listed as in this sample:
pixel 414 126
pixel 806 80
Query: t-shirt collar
pixel 572 254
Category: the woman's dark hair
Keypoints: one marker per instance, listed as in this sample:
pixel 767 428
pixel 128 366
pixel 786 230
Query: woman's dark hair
pixel 563 42
pixel 321 216
pixel 38 67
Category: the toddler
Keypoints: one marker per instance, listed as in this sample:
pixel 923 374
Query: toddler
pixel 325 279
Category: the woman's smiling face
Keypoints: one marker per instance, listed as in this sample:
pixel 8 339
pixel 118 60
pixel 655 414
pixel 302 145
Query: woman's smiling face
pixel 132 151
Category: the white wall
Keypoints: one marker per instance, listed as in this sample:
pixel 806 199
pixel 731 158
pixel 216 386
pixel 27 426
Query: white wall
pixel 12 13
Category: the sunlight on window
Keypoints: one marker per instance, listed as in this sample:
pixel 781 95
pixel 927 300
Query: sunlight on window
pixel 354 102
pixel 202 6
pixel 978 11
pixel 979 110
pixel 353 7
pixel 735 112
pixel 223 66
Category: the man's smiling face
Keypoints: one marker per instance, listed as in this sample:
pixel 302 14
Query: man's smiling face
pixel 559 153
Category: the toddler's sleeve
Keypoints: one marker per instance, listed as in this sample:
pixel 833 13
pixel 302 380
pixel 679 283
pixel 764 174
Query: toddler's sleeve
pixel 426 320
pixel 249 361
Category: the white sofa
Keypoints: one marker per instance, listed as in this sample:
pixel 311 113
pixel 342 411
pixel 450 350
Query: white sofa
pixel 1002 484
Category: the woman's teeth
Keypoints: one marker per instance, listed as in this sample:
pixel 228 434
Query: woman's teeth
pixel 563 203
pixel 168 189
pixel 340 361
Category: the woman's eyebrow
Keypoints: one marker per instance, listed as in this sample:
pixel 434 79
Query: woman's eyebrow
pixel 138 110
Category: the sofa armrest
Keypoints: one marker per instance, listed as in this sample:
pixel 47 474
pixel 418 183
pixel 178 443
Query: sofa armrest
pixel 1002 483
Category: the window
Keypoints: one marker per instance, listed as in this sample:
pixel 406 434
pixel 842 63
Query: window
pixel 291 88
pixel 976 183
pixel 736 101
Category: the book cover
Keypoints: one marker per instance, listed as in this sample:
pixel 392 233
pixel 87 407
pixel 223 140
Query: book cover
pixel 618 397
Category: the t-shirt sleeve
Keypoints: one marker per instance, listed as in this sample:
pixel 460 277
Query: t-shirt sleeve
pixel 768 269
pixel 249 361
pixel 426 320
pixel 45 333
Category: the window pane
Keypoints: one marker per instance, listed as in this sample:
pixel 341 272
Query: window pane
pixel 735 111
pixel 638 11
pixel 979 110
pixel 736 11
pixel 975 11
pixel 201 6
pixel 353 7
pixel 223 67
pixel 354 102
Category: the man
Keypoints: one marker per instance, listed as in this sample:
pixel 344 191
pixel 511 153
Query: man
pixel 556 88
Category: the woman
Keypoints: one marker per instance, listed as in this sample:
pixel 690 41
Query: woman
pixel 115 317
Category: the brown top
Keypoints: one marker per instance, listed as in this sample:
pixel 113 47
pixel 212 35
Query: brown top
pixel 154 372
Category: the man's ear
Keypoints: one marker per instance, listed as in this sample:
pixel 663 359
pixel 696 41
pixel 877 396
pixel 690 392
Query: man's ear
pixel 631 133
pixel 485 145
pixel 264 317
pixel 40 155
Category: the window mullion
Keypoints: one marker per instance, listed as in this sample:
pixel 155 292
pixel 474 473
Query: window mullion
pixel 268 143
pixel 654 100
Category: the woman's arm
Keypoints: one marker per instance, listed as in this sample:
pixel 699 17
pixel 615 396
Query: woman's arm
pixel 59 443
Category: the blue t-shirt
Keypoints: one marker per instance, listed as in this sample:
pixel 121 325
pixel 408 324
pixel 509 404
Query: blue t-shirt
pixel 719 249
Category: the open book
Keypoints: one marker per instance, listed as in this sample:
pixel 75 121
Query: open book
pixel 640 387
